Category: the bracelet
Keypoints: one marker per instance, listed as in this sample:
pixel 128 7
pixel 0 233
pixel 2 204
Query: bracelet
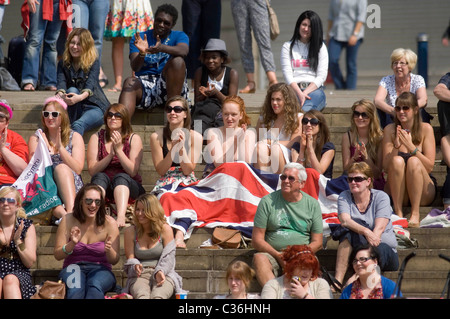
pixel 65 251
pixel 414 152
pixel 142 54
pixel 306 295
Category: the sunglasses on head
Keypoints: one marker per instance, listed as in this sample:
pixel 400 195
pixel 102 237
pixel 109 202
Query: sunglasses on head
pixel 89 201
pixel 404 108
pixel 290 178
pixel 7 200
pixel 312 121
pixel 357 114
pixel 117 115
pixel 54 114
pixel 357 179
pixel 176 109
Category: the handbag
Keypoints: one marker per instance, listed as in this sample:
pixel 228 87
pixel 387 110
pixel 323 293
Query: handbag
pixel 273 22
pixel 51 290
pixel 226 237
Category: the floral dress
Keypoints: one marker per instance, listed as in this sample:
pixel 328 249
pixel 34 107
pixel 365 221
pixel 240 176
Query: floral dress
pixel 127 16
pixel 10 263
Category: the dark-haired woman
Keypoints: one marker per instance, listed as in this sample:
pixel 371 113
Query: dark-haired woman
pixel 88 241
pixel 304 61
pixel 114 157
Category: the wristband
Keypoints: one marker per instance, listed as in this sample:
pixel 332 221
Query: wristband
pixel 65 251
pixel 414 152
pixel 142 54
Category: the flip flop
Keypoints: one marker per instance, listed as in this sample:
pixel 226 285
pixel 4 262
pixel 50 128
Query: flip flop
pixel 103 82
pixel 114 89
pixel 28 87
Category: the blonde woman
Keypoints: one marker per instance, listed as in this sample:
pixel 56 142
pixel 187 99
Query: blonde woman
pixel 17 247
pixel 78 83
pixel 362 143
pixel 150 252
pixel 278 127
pixel 403 61
pixel 66 149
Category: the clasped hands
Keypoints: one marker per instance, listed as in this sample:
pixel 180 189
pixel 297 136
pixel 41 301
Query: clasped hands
pixel 143 47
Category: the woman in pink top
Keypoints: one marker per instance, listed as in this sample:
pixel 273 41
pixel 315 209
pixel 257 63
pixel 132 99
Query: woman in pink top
pixel 88 241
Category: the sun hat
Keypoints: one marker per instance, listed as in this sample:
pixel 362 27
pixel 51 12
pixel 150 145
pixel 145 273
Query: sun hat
pixel 217 45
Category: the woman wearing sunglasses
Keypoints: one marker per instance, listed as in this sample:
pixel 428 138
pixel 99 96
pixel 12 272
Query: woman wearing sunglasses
pixel 78 85
pixel 315 149
pixel 176 148
pixel 409 151
pixel 363 141
pixel 17 247
pixel 114 156
pixel 365 217
pixel 88 241
pixel 403 61
pixel 232 141
pixel 278 126
pixel 67 151
pixel 369 284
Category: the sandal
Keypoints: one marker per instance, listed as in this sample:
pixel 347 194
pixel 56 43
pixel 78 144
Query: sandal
pixel 103 82
pixel 247 89
pixel 114 89
pixel 28 87
pixel 333 282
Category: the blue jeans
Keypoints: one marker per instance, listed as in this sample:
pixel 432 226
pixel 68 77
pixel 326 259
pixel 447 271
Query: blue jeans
pixel 87 281
pixel 84 117
pixel 46 32
pixel 91 15
pixel 334 50
pixel 317 102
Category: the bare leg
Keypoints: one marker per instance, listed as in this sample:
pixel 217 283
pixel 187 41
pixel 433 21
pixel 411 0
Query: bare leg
pixel 11 287
pixel 66 185
pixel 343 253
pixel 251 85
pixel 131 94
pixel 396 180
pixel 117 59
pixel 263 269
pixel 179 239
pixel 121 196
pixel 175 74
pixel 272 77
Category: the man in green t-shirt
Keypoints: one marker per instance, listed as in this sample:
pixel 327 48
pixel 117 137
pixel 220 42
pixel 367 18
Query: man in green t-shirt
pixel 285 217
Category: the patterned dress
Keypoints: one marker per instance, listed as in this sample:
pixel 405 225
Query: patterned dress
pixel 13 265
pixel 127 16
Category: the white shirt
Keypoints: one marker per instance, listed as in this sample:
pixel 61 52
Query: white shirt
pixel 297 69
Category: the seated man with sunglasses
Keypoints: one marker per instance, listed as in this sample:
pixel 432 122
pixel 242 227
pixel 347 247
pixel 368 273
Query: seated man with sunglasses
pixel 285 217
pixel 13 149
pixel 157 58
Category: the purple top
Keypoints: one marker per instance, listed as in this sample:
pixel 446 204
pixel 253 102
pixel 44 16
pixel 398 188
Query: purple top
pixel 93 253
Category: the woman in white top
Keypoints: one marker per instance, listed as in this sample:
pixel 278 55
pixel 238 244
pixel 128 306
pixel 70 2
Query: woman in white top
pixel 403 61
pixel 304 61
pixel 279 125
pixel 300 279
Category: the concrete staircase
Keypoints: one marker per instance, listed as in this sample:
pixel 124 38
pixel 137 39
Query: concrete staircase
pixel 203 270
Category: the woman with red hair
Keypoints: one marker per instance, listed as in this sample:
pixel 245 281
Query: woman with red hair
pixel 301 278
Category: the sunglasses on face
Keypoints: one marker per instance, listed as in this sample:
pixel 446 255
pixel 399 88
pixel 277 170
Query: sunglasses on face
pixel 290 178
pixel 7 200
pixel 54 114
pixel 89 201
pixel 363 115
pixel 176 109
pixel 357 179
pixel 362 260
pixel 312 121
pixel 116 115
pixel 402 108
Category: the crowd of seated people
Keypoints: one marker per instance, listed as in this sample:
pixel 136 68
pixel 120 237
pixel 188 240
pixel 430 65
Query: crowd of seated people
pixel 383 163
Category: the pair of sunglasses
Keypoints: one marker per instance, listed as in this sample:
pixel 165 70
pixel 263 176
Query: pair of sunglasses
pixel 402 108
pixel 117 115
pixel 89 201
pixel 290 178
pixel 363 115
pixel 8 200
pixel 357 179
pixel 176 109
pixel 54 114
pixel 312 121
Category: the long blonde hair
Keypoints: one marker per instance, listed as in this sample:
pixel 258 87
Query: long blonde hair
pixel 65 123
pixel 154 212
pixel 375 132
pixel 88 53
